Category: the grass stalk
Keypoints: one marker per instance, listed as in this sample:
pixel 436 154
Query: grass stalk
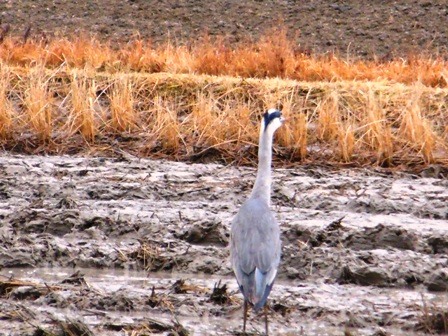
pixel 415 129
pixel 121 100
pixel 38 103
pixel 83 97
pixel 166 126
pixel 378 133
pixel 6 108
pixel 328 117
pixel 346 140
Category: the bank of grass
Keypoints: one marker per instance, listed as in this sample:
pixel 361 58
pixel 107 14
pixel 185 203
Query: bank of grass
pixel 203 102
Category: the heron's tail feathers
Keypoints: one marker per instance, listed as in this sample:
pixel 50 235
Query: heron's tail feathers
pixel 263 286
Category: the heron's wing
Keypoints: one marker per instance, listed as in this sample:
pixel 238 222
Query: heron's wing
pixel 255 239
pixel 255 250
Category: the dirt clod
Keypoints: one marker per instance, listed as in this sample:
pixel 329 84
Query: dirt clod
pixel 206 234
pixel 219 294
pixel 438 281
pixel 364 276
pixel 76 278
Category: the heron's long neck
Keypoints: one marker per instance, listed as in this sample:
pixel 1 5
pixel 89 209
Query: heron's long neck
pixel 262 186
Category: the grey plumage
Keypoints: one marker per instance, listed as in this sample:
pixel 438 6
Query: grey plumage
pixel 255 245
pixel 255 260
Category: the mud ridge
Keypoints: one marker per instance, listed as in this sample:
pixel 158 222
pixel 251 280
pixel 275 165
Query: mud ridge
pixel 100 246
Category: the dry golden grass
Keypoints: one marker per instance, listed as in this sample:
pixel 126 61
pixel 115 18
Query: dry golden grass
pixel 377 132
pixel 294 132
pixel 121 104
pixel 271 56
pixel 6 109
pixel 38 103
pixel 417 129
pixel 188 102
pixel 164 125
pixel 328 117
pixel 82 112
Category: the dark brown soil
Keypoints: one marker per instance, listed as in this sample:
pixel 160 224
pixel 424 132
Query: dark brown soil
pixel 355 27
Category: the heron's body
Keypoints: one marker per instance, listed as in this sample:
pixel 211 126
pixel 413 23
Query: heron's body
pixel 256 260
pixel 255 245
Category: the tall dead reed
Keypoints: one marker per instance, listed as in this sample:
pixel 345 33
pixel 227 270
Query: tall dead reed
pixel 377 132
pixel 416 129
pixel 38 103
pixel 163 125
pixel 82 110
pixel 6 108
pixel 294 133
pixel 328 117
pixel 121 100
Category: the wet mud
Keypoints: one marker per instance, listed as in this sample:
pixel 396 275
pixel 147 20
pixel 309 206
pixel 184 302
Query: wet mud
pixel 117 246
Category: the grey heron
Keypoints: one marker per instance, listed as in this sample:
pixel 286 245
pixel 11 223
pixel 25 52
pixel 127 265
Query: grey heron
pixel 255 245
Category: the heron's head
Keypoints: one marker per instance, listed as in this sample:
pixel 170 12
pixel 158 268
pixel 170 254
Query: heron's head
pixel 272 119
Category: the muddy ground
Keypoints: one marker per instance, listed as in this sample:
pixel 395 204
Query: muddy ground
pixel 350 27
pixel 111 246
pixel 107 246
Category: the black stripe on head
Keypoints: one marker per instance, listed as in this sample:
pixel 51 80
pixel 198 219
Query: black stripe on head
pixel 268 117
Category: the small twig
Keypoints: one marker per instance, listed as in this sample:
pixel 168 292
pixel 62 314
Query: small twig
pixel 182 193
pixel 27 33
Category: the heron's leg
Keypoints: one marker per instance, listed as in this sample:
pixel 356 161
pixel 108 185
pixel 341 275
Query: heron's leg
pixel 266 319
pixel 244 317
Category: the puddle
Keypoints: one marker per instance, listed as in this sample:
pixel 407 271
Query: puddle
pixel 307 302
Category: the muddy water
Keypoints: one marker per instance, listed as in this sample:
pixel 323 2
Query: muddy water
pixel 364 251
